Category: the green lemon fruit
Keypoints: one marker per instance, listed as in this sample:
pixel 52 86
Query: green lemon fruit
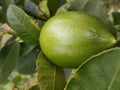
pixel 70 38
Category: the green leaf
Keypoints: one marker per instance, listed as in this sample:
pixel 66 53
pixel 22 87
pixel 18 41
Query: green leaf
pixel 116 21
pixel 35 87
pixel 44 8
pixel 50 76
pixel 101 72
pixel 17 79
pixel 78 5
pixel 1 15
pixel 8 58
pixel 0 41
pixel 25 48
pixel 93 7
pixel 32 9
pixel 5 4
pixel 116 18
pixel 24 26
pixel 67 72
pixel 27 62
pixel 117 27
pixel 54 6
pixel 8 86
pixel 36 1
pixel 19 2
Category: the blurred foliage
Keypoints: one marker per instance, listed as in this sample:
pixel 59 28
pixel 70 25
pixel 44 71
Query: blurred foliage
pixel 22 74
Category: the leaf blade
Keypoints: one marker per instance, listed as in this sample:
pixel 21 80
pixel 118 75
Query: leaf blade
pixel 5 4
pixel 50 77
pixel 26 63
pixel 94 7
pixel 53 7
pixel 23 25
pixel 97 73
pixel 114 82
pixel 116 18
pixel 8 60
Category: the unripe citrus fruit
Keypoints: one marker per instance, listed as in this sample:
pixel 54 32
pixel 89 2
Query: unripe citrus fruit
pixel 68 39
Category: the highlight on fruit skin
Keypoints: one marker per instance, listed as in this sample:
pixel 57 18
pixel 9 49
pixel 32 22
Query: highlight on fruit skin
pixel 70 38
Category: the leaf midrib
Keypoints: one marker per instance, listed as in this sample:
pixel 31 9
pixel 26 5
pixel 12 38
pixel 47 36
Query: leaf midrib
pixel 112 80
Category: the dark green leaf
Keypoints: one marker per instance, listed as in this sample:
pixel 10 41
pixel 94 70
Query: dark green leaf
pixel 19 3
pixel 36 1
pixel 116 21
pixel 27 62
pixel 5 4
pixel 1 15
pixel 32 9
pixel 40 22
pixel 35 11
pixel 23 24
pixel 116 18
pixel 8 58
pixel 0 41
pixel 25 48
pixel 53 5
pixel 50 76
pixel 101 72
pixel 36 87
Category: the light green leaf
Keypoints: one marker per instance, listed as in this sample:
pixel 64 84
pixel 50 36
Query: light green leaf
pixel 50 76
pixel 117 27
pixel 101 72
pixel 8 58
pixel 44 8
pixel 16 79
pixel 24 26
